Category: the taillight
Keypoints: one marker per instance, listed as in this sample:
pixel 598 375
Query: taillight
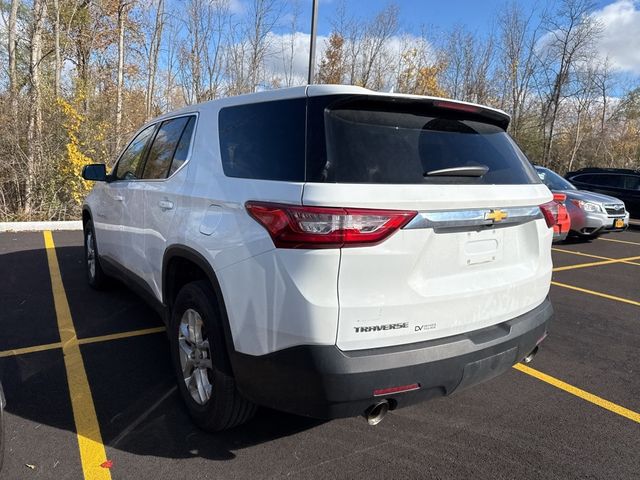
pixel 550 212
pixel 293 226
pixel 564 220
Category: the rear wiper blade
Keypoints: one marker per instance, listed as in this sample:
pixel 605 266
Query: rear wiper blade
pixel 470 171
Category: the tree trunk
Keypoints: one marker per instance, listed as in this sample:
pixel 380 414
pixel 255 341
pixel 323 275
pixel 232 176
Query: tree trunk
pixel 156 41
pixel 576 143
pixel 120 75
pixel 13 85
pixel 56 40
pixel 34 140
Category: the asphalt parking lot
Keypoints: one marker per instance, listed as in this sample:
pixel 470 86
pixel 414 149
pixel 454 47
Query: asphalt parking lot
pixel 573 414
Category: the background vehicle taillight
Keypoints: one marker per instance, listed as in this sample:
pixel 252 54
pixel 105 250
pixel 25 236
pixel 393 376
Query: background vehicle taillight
pixel 550 212
pixel 293 226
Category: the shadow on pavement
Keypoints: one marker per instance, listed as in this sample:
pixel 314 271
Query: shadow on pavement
pixel 132 382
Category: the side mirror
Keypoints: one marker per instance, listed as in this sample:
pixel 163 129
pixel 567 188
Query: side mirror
pixel 96 172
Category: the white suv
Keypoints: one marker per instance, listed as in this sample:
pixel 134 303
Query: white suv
pixel 328 250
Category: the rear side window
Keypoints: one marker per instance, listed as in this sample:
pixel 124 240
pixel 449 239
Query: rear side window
pixel 182 150
pixel 603 180
pixel 364 140
pixel 631 182
pixel 131 159
pixel 163 148
pixel 264 140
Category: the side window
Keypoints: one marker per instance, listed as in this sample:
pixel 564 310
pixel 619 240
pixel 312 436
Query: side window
pixel 131 158
pixel 589 179
pixel 631 182
pixel 182 149
pixel 163 147
pixel 264 140
pixel 606 180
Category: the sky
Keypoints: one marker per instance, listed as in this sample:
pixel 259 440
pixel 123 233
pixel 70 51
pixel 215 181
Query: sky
pixel 620 18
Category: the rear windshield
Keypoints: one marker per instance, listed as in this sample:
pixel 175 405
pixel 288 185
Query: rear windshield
pixel 364 140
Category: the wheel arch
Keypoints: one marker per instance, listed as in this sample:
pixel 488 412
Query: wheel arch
pixel 180 256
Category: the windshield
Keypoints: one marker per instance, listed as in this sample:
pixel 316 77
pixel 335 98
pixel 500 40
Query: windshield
pixel 369 140
pixel 553 181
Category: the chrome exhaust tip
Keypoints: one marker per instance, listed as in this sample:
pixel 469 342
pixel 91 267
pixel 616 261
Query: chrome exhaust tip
pixel 529 357
pixel 376 412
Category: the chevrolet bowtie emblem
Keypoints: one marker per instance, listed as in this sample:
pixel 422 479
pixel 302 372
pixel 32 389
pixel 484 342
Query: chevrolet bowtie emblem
pixel 496 215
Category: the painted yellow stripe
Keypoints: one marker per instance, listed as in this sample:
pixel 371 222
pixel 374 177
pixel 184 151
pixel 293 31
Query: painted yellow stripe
pixel 595 264
pixel 618 241
pixel 597 294
pixel 82 341
pixel 589 397
pixel 118 336
pixel 92 452
pixel 591 255
pixel 25 350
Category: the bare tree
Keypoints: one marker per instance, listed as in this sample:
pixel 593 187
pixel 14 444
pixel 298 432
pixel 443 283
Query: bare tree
pixel 263 15
pixel 519 34
pixel 34 130
pixel 569 41
pixel 289 45
pixel 155 41
pixel 12 44
pixel 123 7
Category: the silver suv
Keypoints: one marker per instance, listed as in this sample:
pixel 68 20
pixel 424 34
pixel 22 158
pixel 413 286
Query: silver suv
pixel 592 214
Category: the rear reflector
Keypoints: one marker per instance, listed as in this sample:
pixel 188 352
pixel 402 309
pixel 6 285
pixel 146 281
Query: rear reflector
pixel 387 391
pixel 550 212
pixel 559 197
pixel 294 226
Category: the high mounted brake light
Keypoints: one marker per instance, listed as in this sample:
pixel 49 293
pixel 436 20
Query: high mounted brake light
pixel 457 106
pixel 294 226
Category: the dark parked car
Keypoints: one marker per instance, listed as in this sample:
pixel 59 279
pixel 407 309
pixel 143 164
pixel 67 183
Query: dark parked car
pixel 616 182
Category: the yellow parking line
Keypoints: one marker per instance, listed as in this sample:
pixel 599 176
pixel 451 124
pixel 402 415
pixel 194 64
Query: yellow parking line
pixel 36 348
pixel 618 241
pixel 118 336
pixel 92 451
pixel 591 255
pixel 589 397
pixel 82 341
pixel 598 294
pixel 595 264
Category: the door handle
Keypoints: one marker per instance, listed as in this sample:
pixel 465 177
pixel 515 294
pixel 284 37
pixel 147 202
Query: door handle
pixel 118 198
pixel 165 204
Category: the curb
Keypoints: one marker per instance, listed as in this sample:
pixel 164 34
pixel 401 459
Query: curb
pixel 39 226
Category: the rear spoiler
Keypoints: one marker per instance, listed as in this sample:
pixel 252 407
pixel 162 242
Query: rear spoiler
pixel 416 103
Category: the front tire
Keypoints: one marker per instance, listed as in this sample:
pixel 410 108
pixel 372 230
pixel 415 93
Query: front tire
pixel 200 361
pixel 96 277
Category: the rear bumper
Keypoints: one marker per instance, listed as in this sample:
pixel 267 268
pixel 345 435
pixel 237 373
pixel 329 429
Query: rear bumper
pixel 325 382
pixel 594 223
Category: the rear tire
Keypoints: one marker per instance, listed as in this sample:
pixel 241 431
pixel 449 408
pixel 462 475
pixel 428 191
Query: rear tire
pixel 96 277
pixel 201 363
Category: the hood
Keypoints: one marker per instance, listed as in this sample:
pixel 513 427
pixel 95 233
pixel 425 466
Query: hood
pixel 590 196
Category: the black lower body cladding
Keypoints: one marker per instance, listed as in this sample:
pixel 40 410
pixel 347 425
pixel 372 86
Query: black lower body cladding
pixel 326 382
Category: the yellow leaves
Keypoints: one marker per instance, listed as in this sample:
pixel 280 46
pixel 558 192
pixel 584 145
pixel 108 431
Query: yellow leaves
pixel 419 78
pixel 71 166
